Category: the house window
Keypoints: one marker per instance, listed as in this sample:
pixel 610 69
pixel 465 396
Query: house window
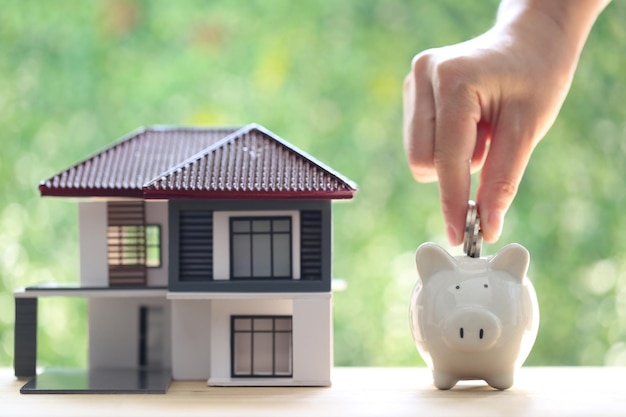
pixel 134 245
pixel 126 245
pixel 153 246
pixel 260 247
pixel 261 346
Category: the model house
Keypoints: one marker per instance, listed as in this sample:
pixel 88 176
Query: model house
pixel 205 254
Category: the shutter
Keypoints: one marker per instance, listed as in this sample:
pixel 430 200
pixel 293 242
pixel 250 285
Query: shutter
pixel 195 258
pixel 126 242
pixel 311 245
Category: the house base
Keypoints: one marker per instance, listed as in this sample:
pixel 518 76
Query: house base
pixel 99 381
pixel 265 382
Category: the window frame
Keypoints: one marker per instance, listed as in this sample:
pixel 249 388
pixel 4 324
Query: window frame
pixel 251 233
pixel 274 332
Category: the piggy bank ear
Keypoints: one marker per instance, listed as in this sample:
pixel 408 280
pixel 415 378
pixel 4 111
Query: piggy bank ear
pixel 512 258
pixel 431 258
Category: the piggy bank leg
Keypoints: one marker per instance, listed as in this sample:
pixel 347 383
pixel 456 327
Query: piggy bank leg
pixel 443 380
pixel 501 381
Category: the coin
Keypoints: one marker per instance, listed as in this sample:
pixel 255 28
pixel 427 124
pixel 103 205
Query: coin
pixel 473 238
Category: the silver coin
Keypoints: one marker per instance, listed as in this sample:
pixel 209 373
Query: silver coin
pixel 470 222
pixel 473 238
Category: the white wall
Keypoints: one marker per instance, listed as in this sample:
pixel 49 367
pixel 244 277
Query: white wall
pixel 312 340
pixel 221 239
pixel 92 235
pixel 220 328
pixel 191 339
pixel 156 213
pixel 114 331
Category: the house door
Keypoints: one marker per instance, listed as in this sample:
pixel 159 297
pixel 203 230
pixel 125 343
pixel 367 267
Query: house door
pixel 261 346
pixel 151 336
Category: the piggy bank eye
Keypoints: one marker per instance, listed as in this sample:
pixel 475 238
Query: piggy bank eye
pixel 458 287
pixel 486 285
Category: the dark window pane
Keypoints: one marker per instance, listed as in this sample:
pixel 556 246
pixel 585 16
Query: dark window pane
pixel 261 256
pixel 241 255
pixel 282 354
pixel 242 354
pixel 283 225
pixel 282 324
pixel 241 226
pixel 282 255
pixel 243 324
pixel 262 325
pixel 260 226
pixel 262 356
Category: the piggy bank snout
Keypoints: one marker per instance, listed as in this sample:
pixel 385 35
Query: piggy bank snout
pixel 472 329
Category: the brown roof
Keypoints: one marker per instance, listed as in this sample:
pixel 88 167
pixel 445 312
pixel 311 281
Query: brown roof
pixel 174 162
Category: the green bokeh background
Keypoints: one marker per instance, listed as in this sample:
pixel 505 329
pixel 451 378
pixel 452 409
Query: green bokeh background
pixel 327 76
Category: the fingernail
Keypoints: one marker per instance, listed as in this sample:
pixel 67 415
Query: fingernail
pixel 453 237
pixel 494 224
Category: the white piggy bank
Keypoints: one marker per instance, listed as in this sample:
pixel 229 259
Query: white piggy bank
pixel 473 318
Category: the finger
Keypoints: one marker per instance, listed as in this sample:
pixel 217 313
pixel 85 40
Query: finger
pixel 483 139
pixel 502 173
pixel 419 120
pixel 455 131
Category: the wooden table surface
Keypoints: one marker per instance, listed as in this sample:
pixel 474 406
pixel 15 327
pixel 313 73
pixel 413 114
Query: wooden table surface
pixel 355 392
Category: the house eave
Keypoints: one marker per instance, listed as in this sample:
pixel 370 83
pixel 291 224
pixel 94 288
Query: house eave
pixel 246 195
pixel 205 295
pixel 88 192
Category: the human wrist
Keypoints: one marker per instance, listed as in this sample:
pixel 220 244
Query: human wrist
pixel 569 20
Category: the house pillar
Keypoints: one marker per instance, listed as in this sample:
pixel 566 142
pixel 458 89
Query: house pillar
pixel 312 340
pixel 25 347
